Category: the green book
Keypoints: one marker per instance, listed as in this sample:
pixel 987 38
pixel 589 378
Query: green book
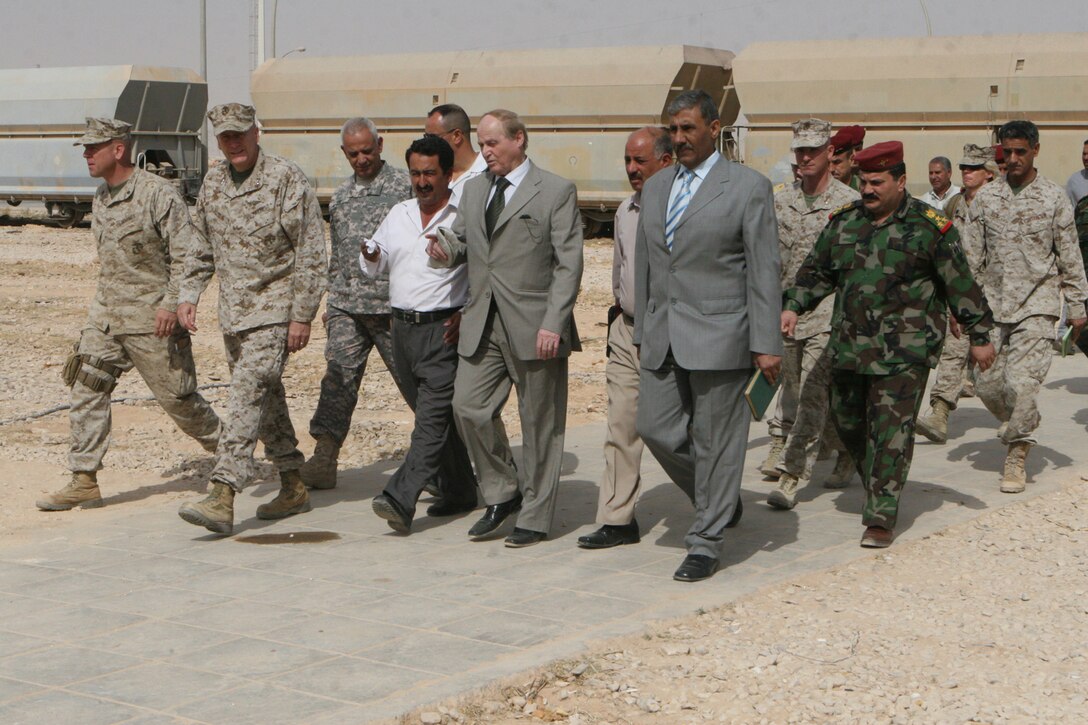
pixel 1067 342
pixel 759 393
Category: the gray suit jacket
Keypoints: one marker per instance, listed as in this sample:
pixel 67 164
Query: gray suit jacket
pixel 531 268
pixel 716 299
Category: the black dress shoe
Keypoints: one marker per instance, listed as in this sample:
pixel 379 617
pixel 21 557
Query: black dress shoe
pixel 696 568
pixel 737 513
pixel 445 507
pixel 609 535
pixel 494 516
pixel 524 537
pixel 387 508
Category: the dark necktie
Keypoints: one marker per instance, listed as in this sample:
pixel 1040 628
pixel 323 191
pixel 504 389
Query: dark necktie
pixel 496 205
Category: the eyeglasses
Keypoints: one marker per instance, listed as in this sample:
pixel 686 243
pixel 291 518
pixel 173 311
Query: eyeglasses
pixel 439 135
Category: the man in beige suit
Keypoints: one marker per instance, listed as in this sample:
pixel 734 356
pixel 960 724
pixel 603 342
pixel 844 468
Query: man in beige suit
pixel 519 231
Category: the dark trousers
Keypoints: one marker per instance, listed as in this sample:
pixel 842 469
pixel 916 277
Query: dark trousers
pixel 875 416
pixel 427 367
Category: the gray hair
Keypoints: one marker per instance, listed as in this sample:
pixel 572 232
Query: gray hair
pixel 355 125
pixel 943 161
pixel 694 99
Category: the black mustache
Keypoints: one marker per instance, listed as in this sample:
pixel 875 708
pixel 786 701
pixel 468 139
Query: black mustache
pixel 868 197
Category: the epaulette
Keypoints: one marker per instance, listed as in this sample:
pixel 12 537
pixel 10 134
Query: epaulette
pixel 938 220
pixel 845 207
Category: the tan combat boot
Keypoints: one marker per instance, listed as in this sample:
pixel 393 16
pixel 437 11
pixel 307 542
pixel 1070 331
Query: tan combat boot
pixel 785 496
pixel 774 457
pixel 292 498
pixel 320 470
pixel 215 512
pixel 82 491
pixel 935 425
pixel 1015 477
pixel 843 473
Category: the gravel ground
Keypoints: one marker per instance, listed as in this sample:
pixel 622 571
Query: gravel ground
pixel 984 622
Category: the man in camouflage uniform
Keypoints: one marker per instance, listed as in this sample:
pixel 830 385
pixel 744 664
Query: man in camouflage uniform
pixel 895 265
pixel 1080 217
pixel 977 168
pixel 1031 261
pixel 802 210
pixel 262 234
pixel 143 232
pixel 358 317
pixel 846 143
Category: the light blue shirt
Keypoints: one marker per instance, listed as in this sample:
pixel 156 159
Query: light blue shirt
pixel 700 172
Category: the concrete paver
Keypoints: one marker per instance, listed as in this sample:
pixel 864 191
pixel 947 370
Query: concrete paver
pixel 133 616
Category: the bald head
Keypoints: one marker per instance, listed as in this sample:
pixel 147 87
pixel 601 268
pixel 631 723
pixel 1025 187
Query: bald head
pixel 648 150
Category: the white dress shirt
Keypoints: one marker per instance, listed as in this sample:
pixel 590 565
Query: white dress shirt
pixel 938 202
pixel 700 172
pixel 515 178
pixel 415 285
pixel 478 167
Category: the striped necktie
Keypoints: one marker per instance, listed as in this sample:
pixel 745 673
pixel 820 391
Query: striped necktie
pixel 679 205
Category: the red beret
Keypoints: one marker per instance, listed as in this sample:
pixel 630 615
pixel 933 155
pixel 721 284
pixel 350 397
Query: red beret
pixel 999 153
pixel 848 137
pixel 880 156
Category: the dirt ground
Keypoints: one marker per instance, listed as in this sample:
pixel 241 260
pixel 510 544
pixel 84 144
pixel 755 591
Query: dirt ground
pixel 981 623
pixel 47 278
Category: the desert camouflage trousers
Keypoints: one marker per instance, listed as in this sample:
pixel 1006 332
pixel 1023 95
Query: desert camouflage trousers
pixel 951 370
pixel 1010 388
pixel 351 337
pixel 257 406
pixel 875 416
pixel 165 364
pixel 806 377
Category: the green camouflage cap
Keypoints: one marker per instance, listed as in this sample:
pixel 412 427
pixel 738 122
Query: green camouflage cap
pixel 232 117
pixel 976 155
pixel 810 133
pixel 100 130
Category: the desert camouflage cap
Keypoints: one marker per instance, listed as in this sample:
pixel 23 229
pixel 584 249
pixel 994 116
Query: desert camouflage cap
pixel 976 155
pixel 100 130
pixel 810 133
pixel 232 117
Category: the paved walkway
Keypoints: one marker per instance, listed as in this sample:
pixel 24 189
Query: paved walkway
pixel 136 617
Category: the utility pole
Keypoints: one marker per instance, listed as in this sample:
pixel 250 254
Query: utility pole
pixel 204 75
pixel 261 55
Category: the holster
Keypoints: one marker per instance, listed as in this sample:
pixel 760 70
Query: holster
pixel 613 312
pixel 73 371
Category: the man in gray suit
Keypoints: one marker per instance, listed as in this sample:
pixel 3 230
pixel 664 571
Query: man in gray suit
pixel 707 308
pixel 519 231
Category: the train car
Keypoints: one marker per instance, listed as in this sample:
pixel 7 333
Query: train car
pixel 42 112
pixel 934 94
pixel 579 105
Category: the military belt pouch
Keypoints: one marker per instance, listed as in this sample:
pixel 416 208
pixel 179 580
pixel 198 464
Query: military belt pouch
pixel 420 318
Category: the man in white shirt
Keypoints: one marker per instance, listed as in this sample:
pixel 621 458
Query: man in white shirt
pixel 426 304
pixel 450 123
pixel 1077 186
pixel 940 179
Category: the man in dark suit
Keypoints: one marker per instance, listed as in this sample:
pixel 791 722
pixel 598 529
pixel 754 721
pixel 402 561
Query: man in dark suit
pixel 707 308
pixel 519 231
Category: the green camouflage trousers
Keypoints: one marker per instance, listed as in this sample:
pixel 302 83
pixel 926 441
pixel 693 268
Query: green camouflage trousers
pixel 1010 387
pixel 350 340
pixel 875 415
pixel 165 364
pixel 257 406
pixel 806 367
pixel 949 381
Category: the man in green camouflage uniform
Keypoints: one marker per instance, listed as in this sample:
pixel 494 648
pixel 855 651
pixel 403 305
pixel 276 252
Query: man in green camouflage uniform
pixel 358 318
pixel 1031 262
pixel 143 233
pixel 802 210
pixel 977 168
pixel 845 144
pixel 262 234
pixel 895 266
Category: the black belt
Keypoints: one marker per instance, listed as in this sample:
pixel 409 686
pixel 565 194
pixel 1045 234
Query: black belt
pixel 420 318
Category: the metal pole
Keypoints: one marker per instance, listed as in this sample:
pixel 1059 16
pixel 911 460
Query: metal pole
pixel 273 35
pixel 260 32
pixel 203 161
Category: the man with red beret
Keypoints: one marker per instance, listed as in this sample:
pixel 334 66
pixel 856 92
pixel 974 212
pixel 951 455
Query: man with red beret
pixel 846 143
pixel 894 265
